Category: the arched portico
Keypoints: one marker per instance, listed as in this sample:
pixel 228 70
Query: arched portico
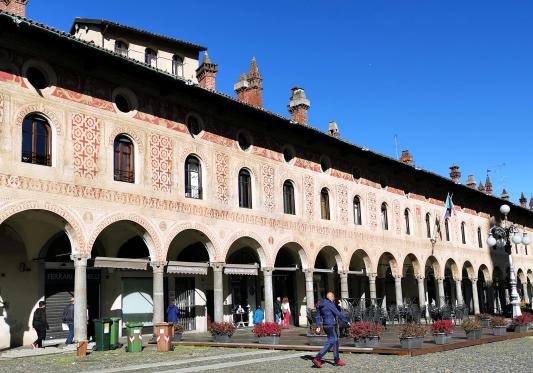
pixel 389 284
pixel 434 281
pixel 327 264
pixel 361 277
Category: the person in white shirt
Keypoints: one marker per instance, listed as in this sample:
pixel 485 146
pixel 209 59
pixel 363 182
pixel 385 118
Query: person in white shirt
pixel 286 310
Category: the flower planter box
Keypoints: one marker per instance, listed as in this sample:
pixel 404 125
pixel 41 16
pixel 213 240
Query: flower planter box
pixel 499 330
pixel 220 338
pixel 269 340
pixel 411 342
pixel 520 328
pixel 316 340
pixel 368 342
pixel 473 334
pixel 177 337
pixel 441 338
pixel 485 323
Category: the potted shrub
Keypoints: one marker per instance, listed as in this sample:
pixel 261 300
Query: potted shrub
pixel 178 332
pixel 366 333
pixel 485 319
pixel 316 339
pixel 412 335
pixel 520 323
pixel 442 330
pixel 222 331
pixel 499 326
pixel 472 327
pixel 267 332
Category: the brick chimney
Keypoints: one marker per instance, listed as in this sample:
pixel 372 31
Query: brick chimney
pixel 455 175
pixel 488 186
pixel 249 88
pixel 523 200
pixel 16 7
pixel 298 105
pixel 333 129
pixel 504 195
pixel 480 187
pixel 406 158
pixel 206 73
pixel 471 182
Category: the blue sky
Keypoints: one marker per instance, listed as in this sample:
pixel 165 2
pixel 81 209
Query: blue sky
pixel 452 79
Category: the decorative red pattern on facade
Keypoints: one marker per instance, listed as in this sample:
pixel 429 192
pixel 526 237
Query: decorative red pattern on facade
pixel 86 143
pixel 309 191
pixel 372 210
pixel 161 160
pixel 83 99
pixel 222 171
pixel 268 187
pixel 342 197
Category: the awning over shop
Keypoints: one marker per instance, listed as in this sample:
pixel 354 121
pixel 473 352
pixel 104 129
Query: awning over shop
pixel 120 263
pixel 187 268
pixel 241 269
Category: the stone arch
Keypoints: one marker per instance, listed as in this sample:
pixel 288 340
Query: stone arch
pixel 367 261
pixel 520 274
pixel 40 108
pixel 295 246
pixel 417 269
pixel 530 275
pixel 452 265
pixel 487 276
pixel 210 243
pixel 469 270
pixel 253 240
pixel 388 259
pixel 434 264
pixel 150 238
pixel 131 133
pixel 72 228
pixel 332 250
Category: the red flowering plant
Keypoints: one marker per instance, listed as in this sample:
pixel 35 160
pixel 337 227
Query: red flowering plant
pixel 521 320
pixel 529 316
pixel 267 329
pixel 442 327
pixel 365 329
pixel 222 328
pixel 498 321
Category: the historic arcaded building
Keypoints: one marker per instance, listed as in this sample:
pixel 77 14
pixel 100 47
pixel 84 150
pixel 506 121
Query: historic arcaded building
pixel 129 181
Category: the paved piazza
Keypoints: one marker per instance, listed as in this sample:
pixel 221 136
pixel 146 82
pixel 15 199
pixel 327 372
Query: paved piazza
pixel 513 355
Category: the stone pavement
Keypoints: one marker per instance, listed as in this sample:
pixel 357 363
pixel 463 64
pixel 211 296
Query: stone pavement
pixel 512 355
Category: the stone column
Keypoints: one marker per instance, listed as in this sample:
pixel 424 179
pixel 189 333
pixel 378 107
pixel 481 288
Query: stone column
pixel 344 284
pixel 398 290
pixel 372 285
pixel 475 298
pixel 159 295
pixel 269 296
pixel 309 291
pixel 442 297
pixel 526 294
pixel 80 297
pixel 218 301
pixel 459 292
pixel 421 291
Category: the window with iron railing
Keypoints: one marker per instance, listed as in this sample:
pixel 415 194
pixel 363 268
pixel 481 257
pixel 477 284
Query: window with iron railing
pixel 177 66
pixel 245 189
pixel 124 169
pixel 193 178
pixel 357 211
pixel 384 217
pixel 324 204
pixel 36 141
pixel 150 57
pixel 288 198
pixel 121 48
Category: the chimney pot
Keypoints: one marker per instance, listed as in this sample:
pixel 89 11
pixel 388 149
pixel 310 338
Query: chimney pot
pixel 333 129
pixel 206 73
pixel 298 105
pixel 455 175
pixel 471 182
pixel 523 200
pixel 16 7
pixel 504 195
pixel 406 158
pixel 249 88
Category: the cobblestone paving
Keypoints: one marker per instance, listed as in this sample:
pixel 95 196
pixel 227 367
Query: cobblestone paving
pixel 513 355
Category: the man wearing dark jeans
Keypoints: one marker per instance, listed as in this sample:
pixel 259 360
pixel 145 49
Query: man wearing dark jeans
pixel 328 312
pixel 68 318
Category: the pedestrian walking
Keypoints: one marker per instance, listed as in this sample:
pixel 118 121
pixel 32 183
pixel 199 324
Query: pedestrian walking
pixel 68 318
pixel 259 315
pixel 277 310
pixel 40 324
pixel 173 313
pixel 328 312
pixel 286 310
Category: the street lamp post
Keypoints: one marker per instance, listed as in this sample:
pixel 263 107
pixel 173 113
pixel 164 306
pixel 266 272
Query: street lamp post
pixel 501 236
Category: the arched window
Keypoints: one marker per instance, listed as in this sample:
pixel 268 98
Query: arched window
pixel 437 228
pixel 428 225
pixel 150 57
pixel 177 66
pixel 124 162
pixel 384 217
pixel 447 228
pixel 479 239
pixel 193 177
pixel 121 48
pixel 463 234
pixel 357 211
pixel 288 198
pixel 407 222
pixel 324 204
pixel 245 189
pixel 36 140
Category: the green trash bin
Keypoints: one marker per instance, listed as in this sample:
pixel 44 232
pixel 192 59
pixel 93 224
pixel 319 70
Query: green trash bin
pixel 135 336
pixel 113 338
pixel 102 331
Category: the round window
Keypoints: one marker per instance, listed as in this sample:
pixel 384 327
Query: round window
pixel 325 164
pixel 122 102
pixel 244 141
pixel 37 78
pixel 193 125
pixel 288 154
pixel 356 174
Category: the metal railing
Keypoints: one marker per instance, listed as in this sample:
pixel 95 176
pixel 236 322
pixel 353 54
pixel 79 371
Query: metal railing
pixel 125 176
pixel 36 158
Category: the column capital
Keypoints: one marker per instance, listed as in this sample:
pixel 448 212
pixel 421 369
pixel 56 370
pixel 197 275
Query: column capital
pixel 158 266
pixel 439 278
pixel 397 277
pixel 309 271
pixel 473 279
pixel 343 273
pixel 79 260
pixel 267 270
pixel 217 266
pixel 420 277
pixel 372 275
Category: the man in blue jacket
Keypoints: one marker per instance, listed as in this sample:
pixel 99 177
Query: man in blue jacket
pixel 328 312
